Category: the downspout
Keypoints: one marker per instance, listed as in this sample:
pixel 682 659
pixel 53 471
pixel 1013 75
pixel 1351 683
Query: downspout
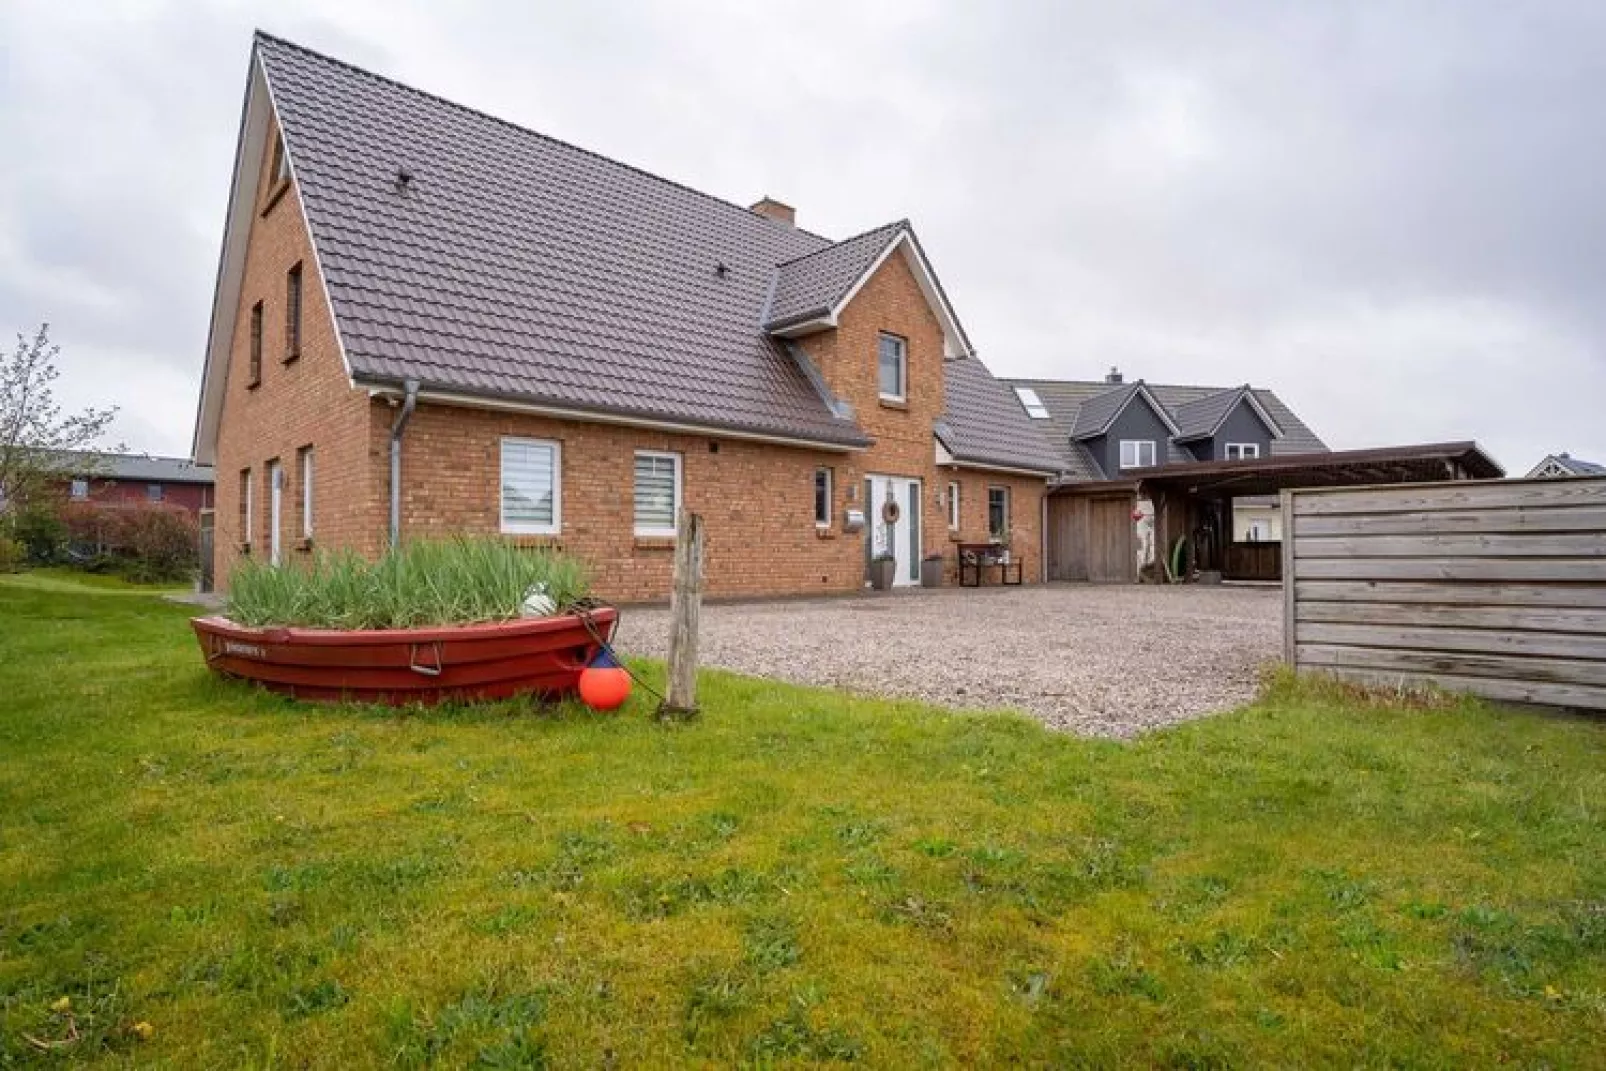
pixel 397 426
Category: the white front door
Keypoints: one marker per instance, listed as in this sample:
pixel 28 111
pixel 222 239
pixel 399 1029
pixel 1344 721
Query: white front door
pixel 275 508
pixel 902 534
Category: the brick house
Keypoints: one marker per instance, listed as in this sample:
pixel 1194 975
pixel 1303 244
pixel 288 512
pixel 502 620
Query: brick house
pixel 134 479
pixel 430 321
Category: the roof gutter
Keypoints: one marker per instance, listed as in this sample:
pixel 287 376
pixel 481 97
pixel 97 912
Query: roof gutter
pixel 397 426
pixel 476 401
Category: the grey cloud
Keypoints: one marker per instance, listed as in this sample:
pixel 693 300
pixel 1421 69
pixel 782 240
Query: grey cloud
pixel 1390 213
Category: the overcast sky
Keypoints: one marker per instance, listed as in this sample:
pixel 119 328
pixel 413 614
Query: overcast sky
pixel 1393 214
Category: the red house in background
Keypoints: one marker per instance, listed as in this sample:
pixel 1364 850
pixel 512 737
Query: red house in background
pixel 131 479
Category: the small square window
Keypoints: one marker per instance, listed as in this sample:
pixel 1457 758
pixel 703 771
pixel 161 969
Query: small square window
pixel 893 368
pixel 1137 453
pixel 153 492
pixel 80 489
pixel 657 492
pixel 822 497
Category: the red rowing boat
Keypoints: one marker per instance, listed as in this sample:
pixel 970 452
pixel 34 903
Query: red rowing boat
pixel 541 656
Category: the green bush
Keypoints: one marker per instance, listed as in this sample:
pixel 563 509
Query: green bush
pixel 41 533
pixel 426 582
pixel 146 543
pixel 12 554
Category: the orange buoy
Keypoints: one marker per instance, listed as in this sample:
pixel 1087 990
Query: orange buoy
pixel 604 684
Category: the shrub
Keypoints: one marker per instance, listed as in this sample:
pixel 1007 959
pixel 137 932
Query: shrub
pixel 12 554
pixel 426 582
pixel 41 533
pixel 144 542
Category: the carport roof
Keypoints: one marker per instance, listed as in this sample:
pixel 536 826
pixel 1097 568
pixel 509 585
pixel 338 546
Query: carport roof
pixel 1416 463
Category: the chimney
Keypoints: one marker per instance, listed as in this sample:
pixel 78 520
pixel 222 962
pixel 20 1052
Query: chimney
pixel 775 210
pixel 1114 376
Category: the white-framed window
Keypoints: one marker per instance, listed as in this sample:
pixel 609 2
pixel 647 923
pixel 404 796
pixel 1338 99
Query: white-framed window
pixel 80 489
pixel 822 497
pixel 1242 451
pixel 1033 404
pixel 657 492
pixel 953 505
pixel 997 512
pixel 1137 453
pixel 893 368
pixel 532 486
pixel 306 492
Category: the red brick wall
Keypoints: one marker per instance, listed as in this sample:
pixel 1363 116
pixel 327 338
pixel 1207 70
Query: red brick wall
pixel 1025 518
pixel 190 496
pixel 757 502
pixel 306 402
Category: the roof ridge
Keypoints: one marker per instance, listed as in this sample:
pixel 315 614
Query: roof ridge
pixel 263 35
pixel 1159 386
pixel 899 224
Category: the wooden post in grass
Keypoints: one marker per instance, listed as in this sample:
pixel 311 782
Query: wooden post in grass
pixel 685 613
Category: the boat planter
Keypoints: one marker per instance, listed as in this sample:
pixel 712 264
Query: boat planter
pixel 542 656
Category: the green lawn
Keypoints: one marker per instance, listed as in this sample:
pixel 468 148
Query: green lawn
pixel 799 876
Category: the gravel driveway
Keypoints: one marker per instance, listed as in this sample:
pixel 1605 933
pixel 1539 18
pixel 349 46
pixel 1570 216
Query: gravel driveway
pixel 1095 659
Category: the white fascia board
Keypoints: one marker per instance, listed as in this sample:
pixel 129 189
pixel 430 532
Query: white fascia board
pixel 243 197
pixel 585 416
pixel 953 345
pixel 1260 411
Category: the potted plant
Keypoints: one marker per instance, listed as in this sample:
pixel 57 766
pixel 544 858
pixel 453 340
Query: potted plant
pixel 432 620
pixel 1001 539
pixel 931 571
pixel 883 567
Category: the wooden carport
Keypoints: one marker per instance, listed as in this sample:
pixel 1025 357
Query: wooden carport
pixel 1091 532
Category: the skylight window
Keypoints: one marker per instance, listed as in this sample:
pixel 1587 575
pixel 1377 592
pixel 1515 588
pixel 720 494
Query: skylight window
pixel 1034 405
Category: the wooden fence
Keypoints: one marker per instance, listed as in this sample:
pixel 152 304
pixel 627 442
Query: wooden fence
pixel 1496 587
pixel 1253 561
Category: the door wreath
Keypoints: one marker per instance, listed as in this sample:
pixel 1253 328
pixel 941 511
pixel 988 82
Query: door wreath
pixel 890 511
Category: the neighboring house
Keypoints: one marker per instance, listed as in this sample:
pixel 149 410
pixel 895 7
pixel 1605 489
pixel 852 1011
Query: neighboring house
pixel 428 321
pixel 1564 464
pixel 136 479
pixel 1109 429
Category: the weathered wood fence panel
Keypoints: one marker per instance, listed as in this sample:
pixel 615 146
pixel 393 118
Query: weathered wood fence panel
pixel 1496 588
pixel 1253 561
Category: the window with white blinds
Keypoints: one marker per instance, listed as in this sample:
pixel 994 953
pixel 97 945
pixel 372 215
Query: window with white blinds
pixel 657 493
pixel 531 486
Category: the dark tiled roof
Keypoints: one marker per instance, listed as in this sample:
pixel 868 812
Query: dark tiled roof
pixel 1202 416
pixel 517 266
pixel 811 285
pixel 1066 398
pixel 1097 412
pixel 984 422
pixel 146 468
pixel 1578 466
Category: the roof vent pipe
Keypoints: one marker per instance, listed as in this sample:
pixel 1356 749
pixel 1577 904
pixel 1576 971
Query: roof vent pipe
pixel 397 426
pixel 1114 376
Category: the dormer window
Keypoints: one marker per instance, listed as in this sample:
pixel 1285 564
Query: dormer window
pixel 1137 453
pixel 893 369
pixel 1242 451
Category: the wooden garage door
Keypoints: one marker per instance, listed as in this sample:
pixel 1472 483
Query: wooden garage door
pixel 1111 557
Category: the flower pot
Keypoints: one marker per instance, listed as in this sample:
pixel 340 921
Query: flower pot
pixel 881 573
pixel 541 656
pixel 931 572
